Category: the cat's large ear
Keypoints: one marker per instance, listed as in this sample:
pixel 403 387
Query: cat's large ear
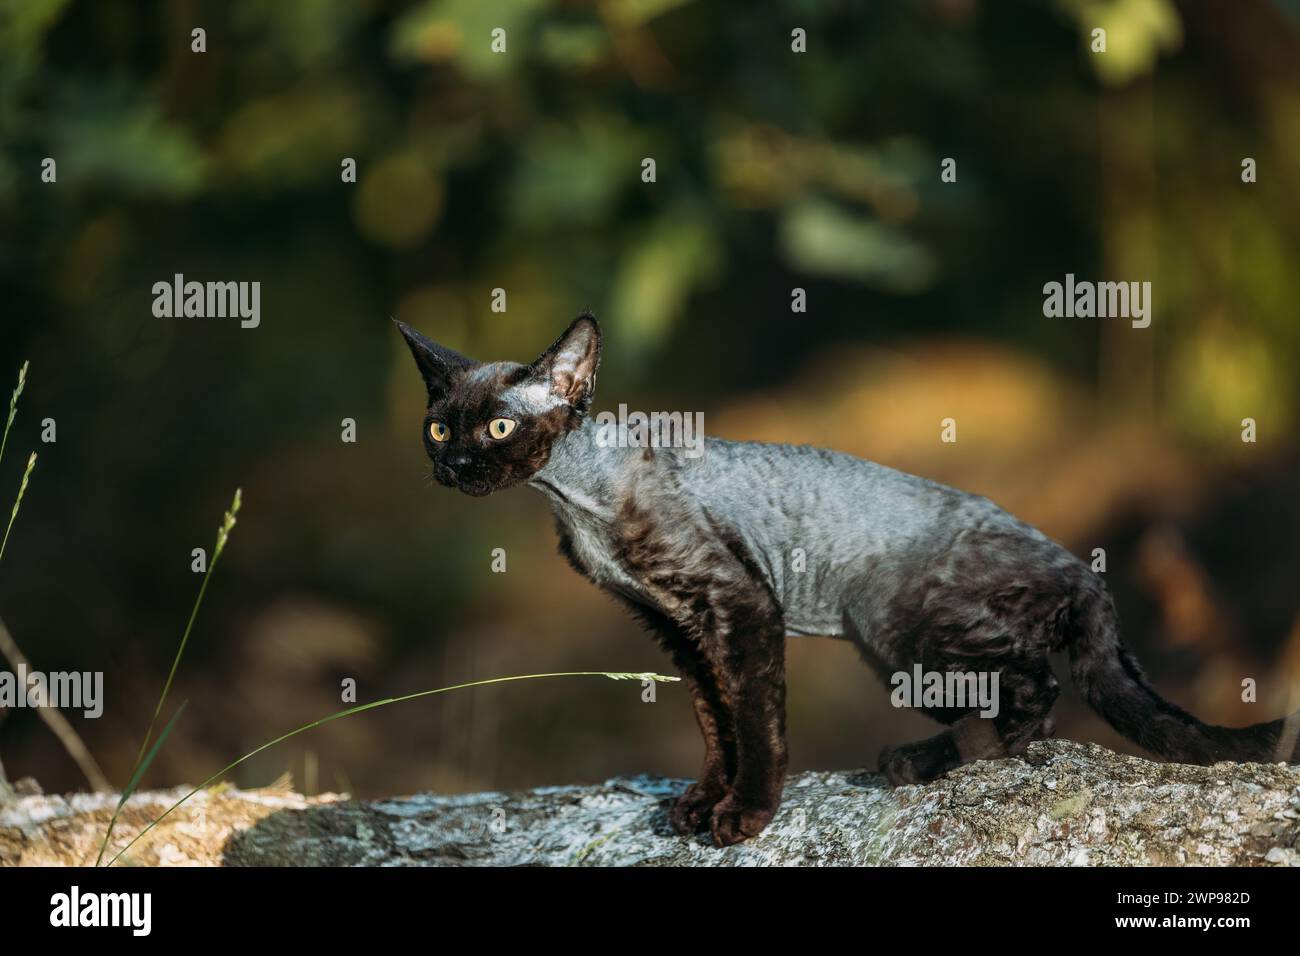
pixel 569 366
pixel 436 363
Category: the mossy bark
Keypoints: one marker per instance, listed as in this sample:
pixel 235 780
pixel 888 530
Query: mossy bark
pixel 1063 804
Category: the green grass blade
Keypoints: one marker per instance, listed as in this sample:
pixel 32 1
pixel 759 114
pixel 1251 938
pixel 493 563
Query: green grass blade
pixel 223 535
pixel 22 490
pixel 13 407
pixel 360 708
pixel 153 752
pixel 135 780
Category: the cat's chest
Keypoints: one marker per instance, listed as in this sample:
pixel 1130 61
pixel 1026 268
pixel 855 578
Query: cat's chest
pixel 593 546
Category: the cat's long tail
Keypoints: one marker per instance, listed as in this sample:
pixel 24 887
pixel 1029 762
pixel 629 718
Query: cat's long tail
pixel 1112 682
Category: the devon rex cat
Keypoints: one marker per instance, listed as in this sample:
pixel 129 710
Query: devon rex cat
pixel 911 571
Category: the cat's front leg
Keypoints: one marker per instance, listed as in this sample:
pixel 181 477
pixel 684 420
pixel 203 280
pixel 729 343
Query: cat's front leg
pixel 733 664
pixel 755 679
pixel 693 810
pixel 704 581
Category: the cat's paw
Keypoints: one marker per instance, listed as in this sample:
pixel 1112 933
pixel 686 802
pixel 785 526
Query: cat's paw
pixel 732 822
pixel 691 811
pixel 896 765
pixel 920 762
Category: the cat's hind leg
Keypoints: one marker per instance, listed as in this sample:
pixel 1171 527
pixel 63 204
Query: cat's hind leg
pixel 922 761
pixel 1026 694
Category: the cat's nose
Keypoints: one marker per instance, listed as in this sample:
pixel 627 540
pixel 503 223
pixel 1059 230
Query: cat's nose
pixel 457 460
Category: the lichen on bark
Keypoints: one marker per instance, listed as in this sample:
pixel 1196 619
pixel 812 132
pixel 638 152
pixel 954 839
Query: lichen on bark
pixel 1062 804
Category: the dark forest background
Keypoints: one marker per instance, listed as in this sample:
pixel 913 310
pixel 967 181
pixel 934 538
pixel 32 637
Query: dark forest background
pixel 521 171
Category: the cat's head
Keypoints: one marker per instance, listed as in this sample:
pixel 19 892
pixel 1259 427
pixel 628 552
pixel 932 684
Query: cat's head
pixel 491 425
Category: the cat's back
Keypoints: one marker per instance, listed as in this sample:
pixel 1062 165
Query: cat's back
pixel 838 520
pixel 802 486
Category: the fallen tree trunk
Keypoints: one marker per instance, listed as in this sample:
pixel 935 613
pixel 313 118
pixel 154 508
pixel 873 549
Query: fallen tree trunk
pixel 1062 804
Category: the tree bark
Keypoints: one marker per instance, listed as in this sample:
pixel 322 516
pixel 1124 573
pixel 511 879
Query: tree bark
pixel 1062 804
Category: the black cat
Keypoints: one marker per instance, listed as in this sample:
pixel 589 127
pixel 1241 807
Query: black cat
pixel 913 572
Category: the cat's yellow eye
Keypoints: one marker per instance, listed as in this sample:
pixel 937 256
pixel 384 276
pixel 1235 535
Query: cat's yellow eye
pixel 501 427
pixel 439 432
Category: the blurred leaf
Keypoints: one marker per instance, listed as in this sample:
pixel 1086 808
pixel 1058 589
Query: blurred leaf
pixel 763 166
pixel 304 34
pixel 461 31
pixel 1225 372
pixel 636 12
pixel 1137 32
pixel 294 137
pixel 574 46
pixel 673 257
pixel 822 239
pixel 399 201
pixel 110 137
pixel 23 25
pixel 572 175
